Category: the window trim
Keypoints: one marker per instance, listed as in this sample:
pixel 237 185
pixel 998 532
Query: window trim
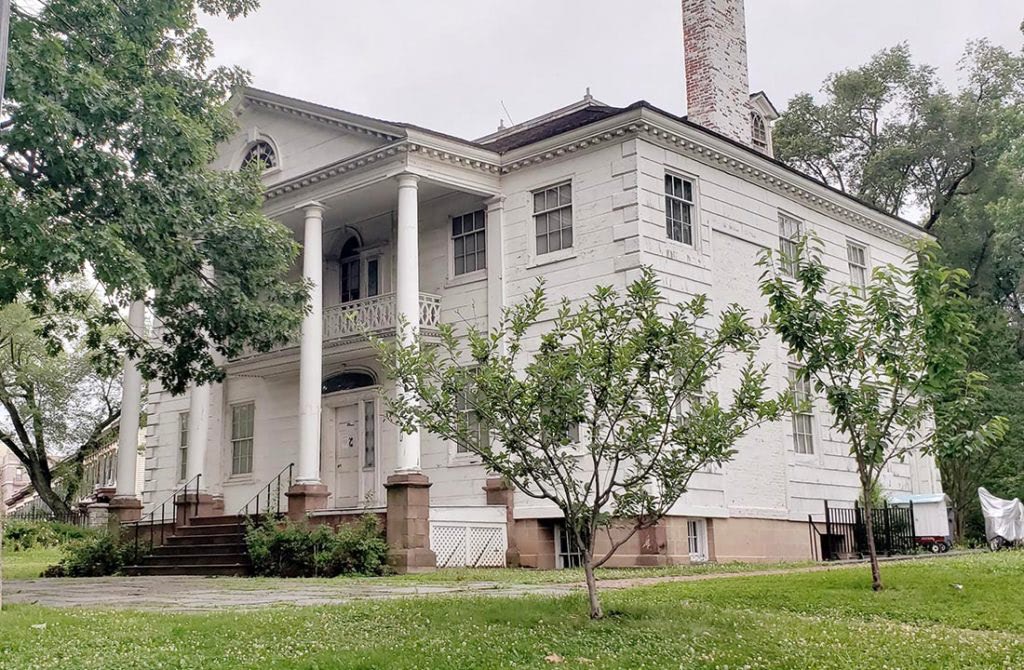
pixel 232 440
pixel 537 259
pixel 694 222
pixel 480 272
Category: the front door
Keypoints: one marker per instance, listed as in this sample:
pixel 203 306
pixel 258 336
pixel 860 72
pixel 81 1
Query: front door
pixel 355 430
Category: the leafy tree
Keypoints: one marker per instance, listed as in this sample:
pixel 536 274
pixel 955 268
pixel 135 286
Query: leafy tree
pixel 889 133
pixel 57 406
pixel 111 120
pixel 891 361
pixel 607 419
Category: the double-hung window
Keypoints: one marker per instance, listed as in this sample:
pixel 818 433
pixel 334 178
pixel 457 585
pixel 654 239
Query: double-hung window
pixel 857 257
pixel 552 216
pixel 790 231
pixel 469 242
pixel 679 209
pixel 803 415
pixel 182 446
pixel 475 427
pixel 242 423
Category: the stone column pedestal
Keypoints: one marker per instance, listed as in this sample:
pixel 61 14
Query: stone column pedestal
pixel 188 506
pixel 653 545
pixel 408 523
pixel 121 510
pixel 498 492
pixel 305 498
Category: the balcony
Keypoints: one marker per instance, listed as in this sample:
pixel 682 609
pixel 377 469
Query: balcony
pixel 352 323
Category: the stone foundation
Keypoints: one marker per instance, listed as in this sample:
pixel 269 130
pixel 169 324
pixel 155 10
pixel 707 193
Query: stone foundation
pixel 408 523
pixel 305 498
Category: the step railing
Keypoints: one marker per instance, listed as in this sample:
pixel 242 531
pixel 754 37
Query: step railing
pixel 171 500
pixel 270 496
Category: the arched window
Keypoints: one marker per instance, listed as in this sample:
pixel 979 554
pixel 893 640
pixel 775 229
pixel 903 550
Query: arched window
pixel 347 381
pixel 261 152
pixel 758 132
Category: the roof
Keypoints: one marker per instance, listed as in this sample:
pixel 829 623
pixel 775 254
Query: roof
pixel 555 126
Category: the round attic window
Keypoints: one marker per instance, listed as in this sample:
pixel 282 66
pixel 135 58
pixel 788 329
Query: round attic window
pixel 261 152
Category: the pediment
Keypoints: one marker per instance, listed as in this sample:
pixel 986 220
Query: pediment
pixel 304 136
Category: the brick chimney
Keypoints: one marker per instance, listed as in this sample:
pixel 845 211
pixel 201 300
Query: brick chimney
pixel 717 83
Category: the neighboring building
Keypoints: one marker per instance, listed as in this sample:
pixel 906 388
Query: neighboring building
pixel 13 475
pixel 395 218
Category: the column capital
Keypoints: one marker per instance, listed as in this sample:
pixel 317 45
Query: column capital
pixel 408 180
pixel 496 201
pixel 312 206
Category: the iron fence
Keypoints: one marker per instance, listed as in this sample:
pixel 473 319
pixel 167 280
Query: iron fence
pixel 844 534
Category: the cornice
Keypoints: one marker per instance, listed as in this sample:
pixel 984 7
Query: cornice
pixel 349 126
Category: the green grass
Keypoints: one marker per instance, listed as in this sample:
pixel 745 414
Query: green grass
pixel 28 564
pixel 816 620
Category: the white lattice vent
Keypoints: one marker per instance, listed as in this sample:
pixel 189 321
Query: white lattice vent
pixel 471 545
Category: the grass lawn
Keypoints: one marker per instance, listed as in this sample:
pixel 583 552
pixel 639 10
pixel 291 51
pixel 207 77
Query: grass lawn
pixel 806 621
pixel 27 564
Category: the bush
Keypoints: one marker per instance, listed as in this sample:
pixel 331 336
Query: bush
pixel 97 555
pixel 24 535
pixel 300 550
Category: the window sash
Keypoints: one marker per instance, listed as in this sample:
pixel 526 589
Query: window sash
pixel 857 259
pixel 469 242
pixel 183 420
pixel 242 429
pixel 552 215
pixel 679 209
pixel 472 423
pixel 803 421
pixel 790 230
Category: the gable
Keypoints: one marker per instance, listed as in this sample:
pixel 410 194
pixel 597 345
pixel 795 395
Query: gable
pixel 301 144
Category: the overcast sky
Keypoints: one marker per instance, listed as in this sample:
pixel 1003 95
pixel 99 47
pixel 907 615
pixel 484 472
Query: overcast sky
pixel 449 64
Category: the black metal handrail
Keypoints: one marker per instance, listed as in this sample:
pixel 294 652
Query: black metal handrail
pixel 151 517
pixel 273 502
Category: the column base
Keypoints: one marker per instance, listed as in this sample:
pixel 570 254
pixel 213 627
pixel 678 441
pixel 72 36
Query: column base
pixel 188 506
pixel 122 510
pixel 305 498
pixel 499 492
pixel 408 523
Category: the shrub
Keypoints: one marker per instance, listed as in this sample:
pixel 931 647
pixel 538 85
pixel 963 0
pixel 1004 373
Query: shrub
pixel 23 535
pixel 299 550
pixel 96 555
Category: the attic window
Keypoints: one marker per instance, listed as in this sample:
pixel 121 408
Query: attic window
pixel 758 132
pixel 261 152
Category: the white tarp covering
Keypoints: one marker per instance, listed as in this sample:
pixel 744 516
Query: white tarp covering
pixel 1003 518
pixel 930 517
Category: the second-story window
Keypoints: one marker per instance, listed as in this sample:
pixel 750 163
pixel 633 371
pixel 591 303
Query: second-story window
pixel 552 215
pixel 679 209
pixel 758 132
pixel 182 446
pixel 857 257
pixel 469 242
pixel 803 416
pixel 790 231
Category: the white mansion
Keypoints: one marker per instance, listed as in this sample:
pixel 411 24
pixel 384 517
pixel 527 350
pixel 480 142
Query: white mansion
pixel 395 219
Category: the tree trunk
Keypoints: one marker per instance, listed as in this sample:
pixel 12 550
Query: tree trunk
pixel 869 529
pixel 44 490
pixel 595 604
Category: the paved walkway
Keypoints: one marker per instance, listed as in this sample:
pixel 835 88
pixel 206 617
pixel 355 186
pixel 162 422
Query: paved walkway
pixel 197 594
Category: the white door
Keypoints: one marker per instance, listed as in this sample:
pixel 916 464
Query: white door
pixel 347 449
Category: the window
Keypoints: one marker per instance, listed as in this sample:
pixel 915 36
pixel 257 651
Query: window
pixel 372 277
pixel 350 262
pixel 569 554
pixel 697 540
pixel 474 425
pixel 241 438
pixel 347 381
pixel 758 132
pixel 369 433
pixel 857 256
pixel 469 242
pixel 552 215
pixel 790 231
pixel 182 446
pixel 261 153
pixel 803 417
pixel 679 209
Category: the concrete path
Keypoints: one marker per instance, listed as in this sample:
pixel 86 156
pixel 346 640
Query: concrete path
pixel 197 594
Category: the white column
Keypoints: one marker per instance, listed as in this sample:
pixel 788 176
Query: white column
pixel 311 352
pixel 131 406
pixel 198 432
pixel 407 301
pixel 495 261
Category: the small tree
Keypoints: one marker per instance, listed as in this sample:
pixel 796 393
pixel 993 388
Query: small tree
pixel 607 416
pixel 889 359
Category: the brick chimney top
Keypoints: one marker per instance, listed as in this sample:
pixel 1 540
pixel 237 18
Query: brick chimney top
pixel 717 81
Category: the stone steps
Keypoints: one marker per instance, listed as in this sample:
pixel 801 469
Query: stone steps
pixel 207 546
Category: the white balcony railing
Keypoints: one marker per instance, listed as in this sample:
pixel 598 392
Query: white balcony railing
pixel 376 316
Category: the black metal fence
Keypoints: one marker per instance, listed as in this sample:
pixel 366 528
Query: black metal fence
pixel 844 532
pixel 44 514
